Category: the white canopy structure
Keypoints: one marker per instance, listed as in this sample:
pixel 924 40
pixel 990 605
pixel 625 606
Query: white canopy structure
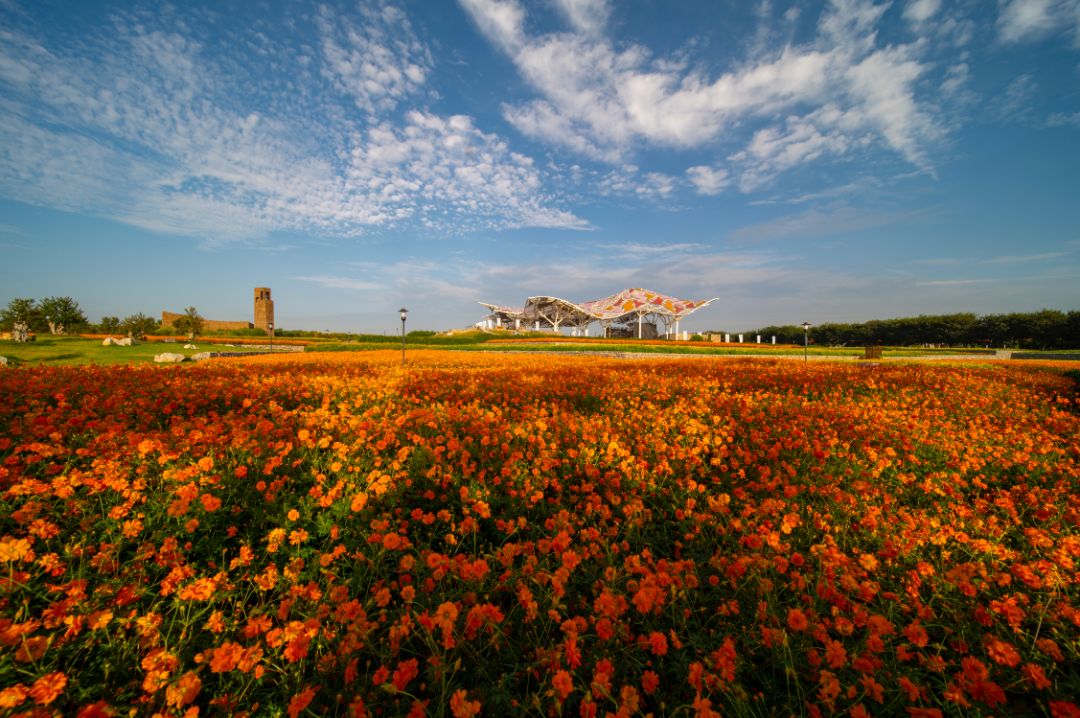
pixel 631 309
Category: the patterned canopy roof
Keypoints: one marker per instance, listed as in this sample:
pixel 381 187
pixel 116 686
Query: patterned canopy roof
pixel 641 301
pixel 509 311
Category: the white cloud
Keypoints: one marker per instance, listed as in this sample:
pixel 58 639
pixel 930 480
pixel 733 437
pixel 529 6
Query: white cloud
pixel 951 282
pixel 1014 105
pixel 957 77
pixel 1025 258
pixel 378 62
pixel 146 126
pixel 802 139
pixel 708 180
pixel 1025 20
pixel 1064 119
pixel 919 11
pixel 588 16
pixel 604 100
pixel 627 180
pixel 333 281
pixel 884 81
pixel 639 251
pixel 837 218
pixel 502 21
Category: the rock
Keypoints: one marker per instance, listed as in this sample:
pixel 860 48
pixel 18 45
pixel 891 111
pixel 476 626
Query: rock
pixel 108 342
pixel 126 342
pixel 3 361
pixel 201 356
pixel 169 358
pixel 190 346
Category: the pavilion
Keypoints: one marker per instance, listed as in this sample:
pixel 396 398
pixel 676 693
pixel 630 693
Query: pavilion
pixel 636 312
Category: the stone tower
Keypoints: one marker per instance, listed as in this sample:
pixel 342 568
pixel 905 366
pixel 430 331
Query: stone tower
pixel 264 309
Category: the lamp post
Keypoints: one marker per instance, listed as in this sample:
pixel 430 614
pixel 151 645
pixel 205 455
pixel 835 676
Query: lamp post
pixel 403 312
pixel 806 339
pixel 270 327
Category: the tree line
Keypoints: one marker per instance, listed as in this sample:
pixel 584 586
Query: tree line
pixel 1046 329
pixel 62 315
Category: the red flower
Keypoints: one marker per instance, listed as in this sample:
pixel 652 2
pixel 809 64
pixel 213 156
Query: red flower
pixel 405 672
pixel 301 701
pixel 563 683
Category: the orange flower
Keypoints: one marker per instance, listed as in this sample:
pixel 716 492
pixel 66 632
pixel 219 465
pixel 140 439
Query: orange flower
pixel 100 709
pixel 48 688
pixel 210 502
pixel 225 657
pixel 796 619
pixel 13 696
pixel 184 690
pixel 12 549
pixel 201 589
pixel 461 706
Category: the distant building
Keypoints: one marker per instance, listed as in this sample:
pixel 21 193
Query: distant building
pixel 264 309
pixel 631 312
pixel 209 325
pixel 264 315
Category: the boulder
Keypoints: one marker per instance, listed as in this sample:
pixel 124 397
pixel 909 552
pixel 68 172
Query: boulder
pixel 201 356
pixel 190 346
pixel 108 342
pixel 126 342
pixel 169 358
pixel 3 361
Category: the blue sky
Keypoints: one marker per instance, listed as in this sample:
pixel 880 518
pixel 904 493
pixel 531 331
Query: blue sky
pixel 801 161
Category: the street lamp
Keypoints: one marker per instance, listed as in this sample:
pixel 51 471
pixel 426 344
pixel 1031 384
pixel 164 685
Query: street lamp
pixel 270 327
pixel 806 339
pixel 403 312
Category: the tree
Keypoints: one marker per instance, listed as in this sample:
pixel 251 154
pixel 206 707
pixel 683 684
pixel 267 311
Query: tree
pixel 61 313
pixel 139 325
pixel 191 323
pixel 110 325
pixel 19 310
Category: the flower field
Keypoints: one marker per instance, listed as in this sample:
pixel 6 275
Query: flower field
pixel 509 535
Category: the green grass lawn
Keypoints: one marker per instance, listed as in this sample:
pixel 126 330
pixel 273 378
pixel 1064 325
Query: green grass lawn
pixel 49 350
pixel 61 350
